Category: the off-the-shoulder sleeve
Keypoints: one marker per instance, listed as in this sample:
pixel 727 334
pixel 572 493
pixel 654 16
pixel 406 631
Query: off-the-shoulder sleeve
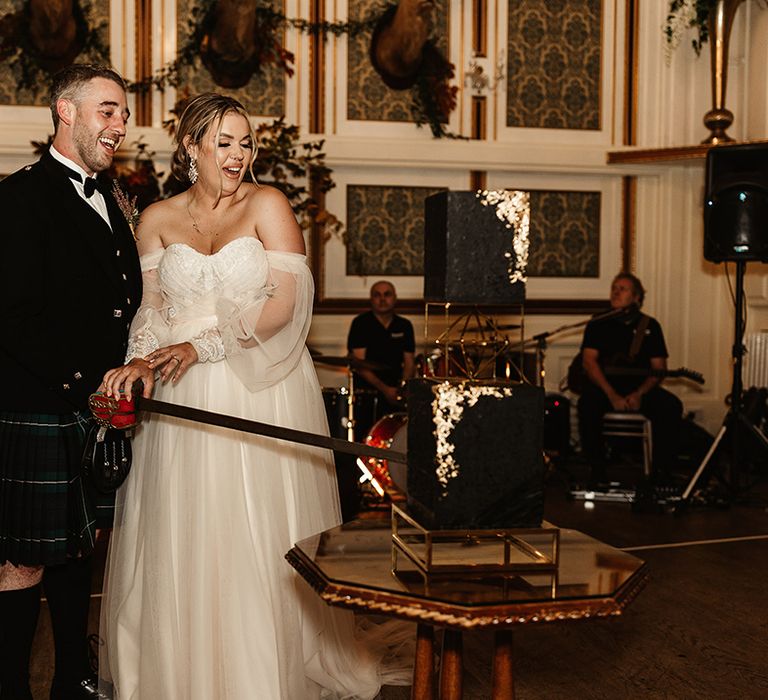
pixel 264 339
pixel 149 329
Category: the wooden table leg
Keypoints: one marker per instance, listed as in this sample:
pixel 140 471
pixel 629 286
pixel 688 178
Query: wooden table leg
pixel 503 678
pixel 451 671
pixel 423 687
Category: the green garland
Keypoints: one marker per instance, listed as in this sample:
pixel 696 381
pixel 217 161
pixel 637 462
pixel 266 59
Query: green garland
pixel 32 69
pixel 282 160
pixel 433 98
pixel 268 22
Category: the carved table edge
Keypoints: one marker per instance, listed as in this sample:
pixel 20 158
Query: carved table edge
pixel 406 606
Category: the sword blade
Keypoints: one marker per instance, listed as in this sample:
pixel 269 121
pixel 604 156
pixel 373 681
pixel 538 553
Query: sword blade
pixel 267 430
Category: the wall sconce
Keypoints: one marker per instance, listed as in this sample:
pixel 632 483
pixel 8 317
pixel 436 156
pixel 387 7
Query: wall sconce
pixel 478 76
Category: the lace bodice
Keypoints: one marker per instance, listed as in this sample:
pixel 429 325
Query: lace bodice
pixel 192 282
pixel 245 304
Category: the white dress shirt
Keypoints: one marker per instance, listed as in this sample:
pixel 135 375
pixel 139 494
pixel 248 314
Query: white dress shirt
pixel 96 200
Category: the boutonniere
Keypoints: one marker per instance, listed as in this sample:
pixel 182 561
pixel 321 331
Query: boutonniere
pixel 127 206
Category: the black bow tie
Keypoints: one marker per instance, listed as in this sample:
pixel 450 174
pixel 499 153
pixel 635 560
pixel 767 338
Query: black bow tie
pixel 90 185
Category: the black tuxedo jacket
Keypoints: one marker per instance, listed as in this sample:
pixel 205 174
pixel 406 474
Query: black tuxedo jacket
pixel 69 288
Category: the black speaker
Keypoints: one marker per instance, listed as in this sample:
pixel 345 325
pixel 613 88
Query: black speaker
pixel 736 203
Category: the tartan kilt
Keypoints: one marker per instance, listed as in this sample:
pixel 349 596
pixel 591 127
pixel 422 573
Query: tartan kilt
pixel 47 512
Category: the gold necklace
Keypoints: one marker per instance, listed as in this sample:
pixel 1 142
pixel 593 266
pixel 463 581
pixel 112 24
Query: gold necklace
pixel 195 225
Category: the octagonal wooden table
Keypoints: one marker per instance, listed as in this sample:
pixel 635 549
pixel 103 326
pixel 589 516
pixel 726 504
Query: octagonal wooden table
pixel 351 566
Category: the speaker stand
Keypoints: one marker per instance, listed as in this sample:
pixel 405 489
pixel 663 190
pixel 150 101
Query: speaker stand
pixel 735 420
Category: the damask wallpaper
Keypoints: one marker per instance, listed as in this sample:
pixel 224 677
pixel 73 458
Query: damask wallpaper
pixel 553 64
pixel 385 229
pixel 95 13
pixel 564 234
pixel 263 96
pixel 368 98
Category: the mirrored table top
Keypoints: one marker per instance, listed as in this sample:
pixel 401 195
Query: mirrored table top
pixel 352 566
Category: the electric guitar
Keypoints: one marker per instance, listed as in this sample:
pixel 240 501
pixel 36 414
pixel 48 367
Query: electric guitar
pixel 697 377
pixel 576 376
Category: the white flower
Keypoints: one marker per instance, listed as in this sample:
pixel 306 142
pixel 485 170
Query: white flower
pixel 514 209
pixel 681 17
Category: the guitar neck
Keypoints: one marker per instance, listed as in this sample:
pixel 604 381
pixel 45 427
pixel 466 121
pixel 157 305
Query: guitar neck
pixel 640 372
pixel 650 372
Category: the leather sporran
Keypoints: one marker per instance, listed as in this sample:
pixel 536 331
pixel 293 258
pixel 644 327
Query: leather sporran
pixel 107 455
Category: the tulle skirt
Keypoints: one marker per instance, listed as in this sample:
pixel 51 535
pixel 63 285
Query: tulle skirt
pixel 199 601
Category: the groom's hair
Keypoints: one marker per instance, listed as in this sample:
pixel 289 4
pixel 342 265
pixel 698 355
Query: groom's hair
pixel 68 82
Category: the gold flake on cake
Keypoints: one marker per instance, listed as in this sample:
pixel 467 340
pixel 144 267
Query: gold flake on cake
pixel 447 409
pixel 513 208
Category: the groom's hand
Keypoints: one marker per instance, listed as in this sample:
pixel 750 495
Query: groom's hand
pixel 123 378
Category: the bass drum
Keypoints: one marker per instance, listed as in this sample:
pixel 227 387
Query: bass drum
pixel 389 432
pixel 364 406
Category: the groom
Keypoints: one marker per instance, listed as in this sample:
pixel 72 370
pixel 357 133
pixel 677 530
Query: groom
pixel 69 286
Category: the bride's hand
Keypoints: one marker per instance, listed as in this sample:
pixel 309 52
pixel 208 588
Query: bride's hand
pixel 172 361
pixel 122 379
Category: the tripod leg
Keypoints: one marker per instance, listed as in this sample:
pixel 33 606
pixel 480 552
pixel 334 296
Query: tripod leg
pixel 688 489
pixel 754 430
pixel 759 435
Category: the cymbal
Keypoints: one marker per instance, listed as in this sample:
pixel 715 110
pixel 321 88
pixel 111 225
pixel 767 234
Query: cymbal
pixel 352 362
pixel 474 342
pixel 356 364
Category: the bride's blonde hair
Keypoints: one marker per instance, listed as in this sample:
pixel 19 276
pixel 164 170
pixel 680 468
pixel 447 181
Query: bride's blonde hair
pixel 200 113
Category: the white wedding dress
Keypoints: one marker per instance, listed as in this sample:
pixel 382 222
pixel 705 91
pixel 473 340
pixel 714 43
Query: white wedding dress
pixel 199 601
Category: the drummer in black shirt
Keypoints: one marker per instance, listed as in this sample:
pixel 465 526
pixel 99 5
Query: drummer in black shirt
pixel 380 335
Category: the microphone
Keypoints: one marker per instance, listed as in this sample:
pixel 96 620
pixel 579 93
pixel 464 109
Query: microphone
pixel 627 310
pixel 633 308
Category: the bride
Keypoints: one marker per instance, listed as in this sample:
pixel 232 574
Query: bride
pixel 199 602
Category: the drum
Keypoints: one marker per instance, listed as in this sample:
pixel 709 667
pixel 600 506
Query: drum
pixel 439 363
pixel 390 432
pixel 336 408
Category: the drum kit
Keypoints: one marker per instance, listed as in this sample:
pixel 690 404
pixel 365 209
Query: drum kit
pixel 473 347
pixel 350 410
pixel 353 413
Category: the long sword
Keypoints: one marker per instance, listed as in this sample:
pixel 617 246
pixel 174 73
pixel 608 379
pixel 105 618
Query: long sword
pixel 266 429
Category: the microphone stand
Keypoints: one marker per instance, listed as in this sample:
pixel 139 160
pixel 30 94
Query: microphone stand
pixel 540 339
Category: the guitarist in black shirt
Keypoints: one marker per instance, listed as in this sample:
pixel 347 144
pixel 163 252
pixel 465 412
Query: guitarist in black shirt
pixel 624 358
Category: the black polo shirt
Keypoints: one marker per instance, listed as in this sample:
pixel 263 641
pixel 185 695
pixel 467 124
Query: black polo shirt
pixel 384 345
pixel 612 338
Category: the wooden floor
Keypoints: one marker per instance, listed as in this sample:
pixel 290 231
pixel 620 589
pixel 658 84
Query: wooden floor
pixel 698 630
